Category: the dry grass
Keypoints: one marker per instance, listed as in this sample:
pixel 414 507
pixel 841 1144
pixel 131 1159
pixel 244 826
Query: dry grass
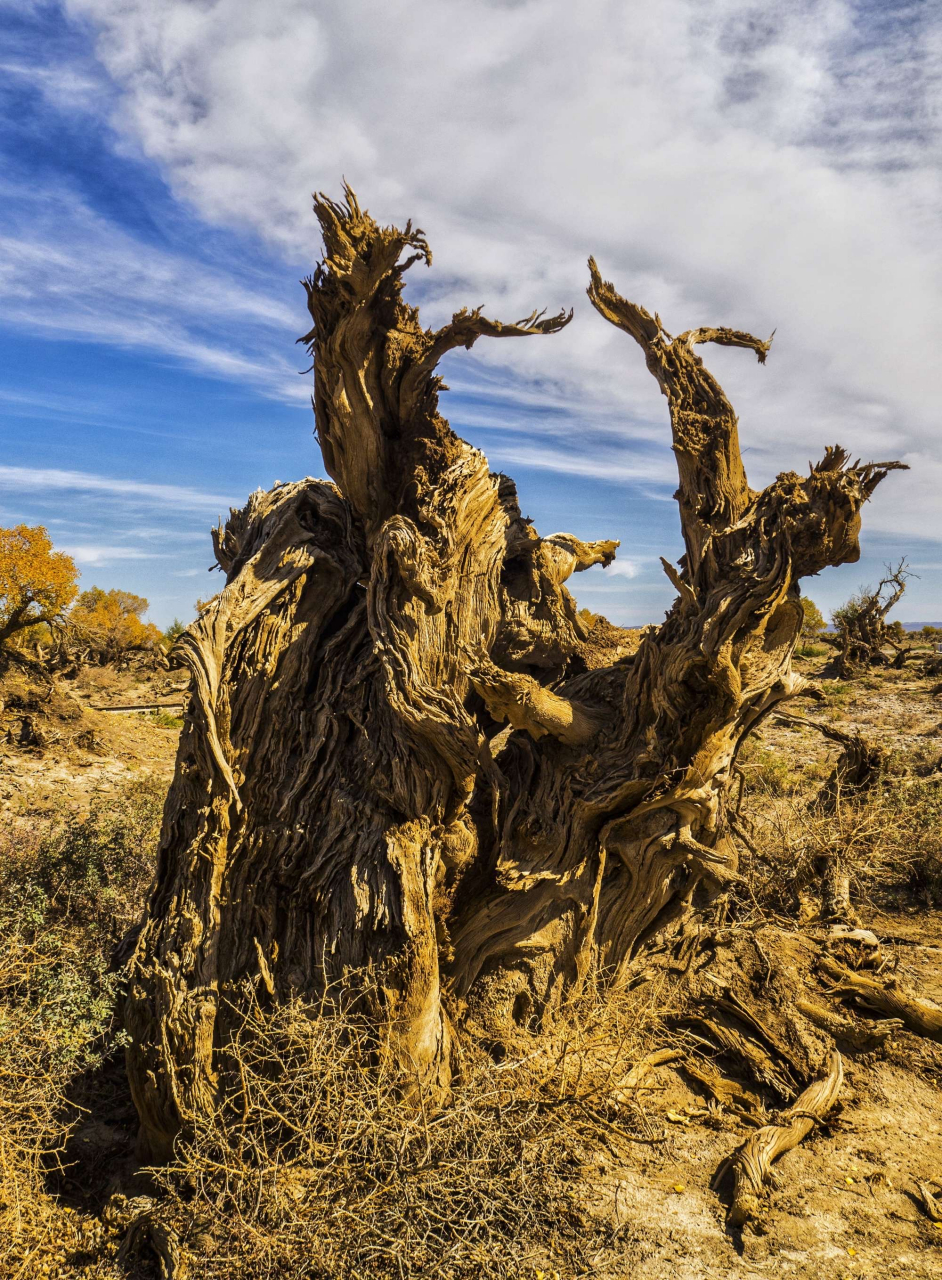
pixel 68 889
pixel 890 838
pixel 48 1030
pixel 322 1165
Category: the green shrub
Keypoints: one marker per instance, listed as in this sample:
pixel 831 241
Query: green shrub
pixel 173 633
pixel 68 891
pixel 94 869
pixel 810 651
pixel 766 769
pixel 165 720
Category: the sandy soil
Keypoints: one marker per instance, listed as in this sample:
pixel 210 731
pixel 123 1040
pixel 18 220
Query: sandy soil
pixel 59 744
pixel 845 1204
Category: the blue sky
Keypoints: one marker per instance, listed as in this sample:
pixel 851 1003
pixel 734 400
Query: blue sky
pixel 725 163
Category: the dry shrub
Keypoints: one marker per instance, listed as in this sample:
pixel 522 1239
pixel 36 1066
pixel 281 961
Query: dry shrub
pixel 51 1012
pixel 318 1164
pixel 321 1165
pixel 68 889
pixel 890 838
pixel 766 769
pixel 95 868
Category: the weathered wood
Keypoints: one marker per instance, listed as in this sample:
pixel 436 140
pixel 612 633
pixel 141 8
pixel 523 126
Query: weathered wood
pixel 921 1017
pixel 862 636
pixel 399 751
pixel 752 1164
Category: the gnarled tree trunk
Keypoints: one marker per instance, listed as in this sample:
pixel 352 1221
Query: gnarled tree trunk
pixel 862 635
pixel 402 752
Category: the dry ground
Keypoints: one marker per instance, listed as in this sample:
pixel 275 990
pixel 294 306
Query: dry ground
pixel 59 743
pixel 847 1201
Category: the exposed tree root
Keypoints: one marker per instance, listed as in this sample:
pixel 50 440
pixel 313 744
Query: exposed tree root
pixel 860 1039
pixel 149 1245
pixel 751 998
pixel 753 1162
pixel 858 768
pixel 638 1074
pixel 761 1064
pixel 930 1205
pixel 917 1015
pixel 737 1098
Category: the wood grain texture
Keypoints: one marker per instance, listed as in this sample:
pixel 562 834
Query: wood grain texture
pixel 401 752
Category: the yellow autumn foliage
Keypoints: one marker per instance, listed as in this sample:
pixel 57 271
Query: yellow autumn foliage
pixel 37 583
pixel 109 623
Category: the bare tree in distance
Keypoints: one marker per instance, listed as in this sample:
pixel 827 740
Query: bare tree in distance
pixel 861 634
pixel 406 753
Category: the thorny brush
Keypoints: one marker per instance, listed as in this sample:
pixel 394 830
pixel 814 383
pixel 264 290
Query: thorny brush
pixel 68 889
pixel 890 839
pixel 320 1164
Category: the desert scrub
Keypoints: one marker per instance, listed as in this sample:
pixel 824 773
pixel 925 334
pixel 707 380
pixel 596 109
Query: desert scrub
pixel 765 769
pixel 68 891
pixel 321 1164
pixel 836 692
pixel 88 871
pixel 890 838
pixel 56 1013
pixel 52 1007
pixel 164 720
pixel 811 651
pixel 919 803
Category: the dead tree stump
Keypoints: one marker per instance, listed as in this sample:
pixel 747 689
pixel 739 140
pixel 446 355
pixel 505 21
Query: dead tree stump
pixel 399 756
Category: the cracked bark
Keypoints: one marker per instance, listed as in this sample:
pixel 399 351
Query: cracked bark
pixel 402 753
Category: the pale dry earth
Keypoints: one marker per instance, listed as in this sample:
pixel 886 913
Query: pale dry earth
pixel 72 749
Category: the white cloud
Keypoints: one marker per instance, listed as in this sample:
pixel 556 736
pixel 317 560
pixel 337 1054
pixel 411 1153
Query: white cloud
pixel 43 480
pixel 616 468
pixel 734 163
pixel 728 163
pixel 66 271
pixel 90 554
pixel 609 583
pixel 622 569
pixel 69 88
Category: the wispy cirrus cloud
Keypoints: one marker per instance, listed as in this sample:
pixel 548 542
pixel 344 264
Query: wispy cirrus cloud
pixel 596 463
pixel 46 480
pixel 67 271
pixel 90 554
pixel 70 87
pixel 766 167
pixel 724 164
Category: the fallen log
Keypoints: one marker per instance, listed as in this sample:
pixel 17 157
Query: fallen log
pixel 145 706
